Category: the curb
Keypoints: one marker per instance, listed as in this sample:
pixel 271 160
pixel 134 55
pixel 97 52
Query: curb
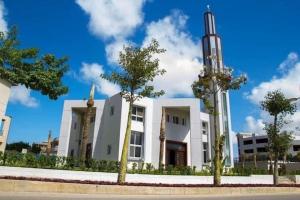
pixel 9 185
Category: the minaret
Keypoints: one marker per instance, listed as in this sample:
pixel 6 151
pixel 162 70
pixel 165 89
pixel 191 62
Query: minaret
pixel 213 60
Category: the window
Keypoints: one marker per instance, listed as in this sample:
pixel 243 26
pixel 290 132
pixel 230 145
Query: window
pixel 248 151
pixel 183 121
pixel 168 118
pixel 246 142
pixel 112 111
pixel 261 149
pixel 75 126
pixel 296 147
pixel 136 144
pixel 92 120
pixel 205 152
pixel 1 126
pixel 175 120
pixel 137 114
pixel 108 151
pixel 263 140
pixel 204 128
pixel 72 153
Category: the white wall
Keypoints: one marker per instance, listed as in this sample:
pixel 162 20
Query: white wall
pixel 108 129
pixel 131 178
pixel 69 137
pixel 5 93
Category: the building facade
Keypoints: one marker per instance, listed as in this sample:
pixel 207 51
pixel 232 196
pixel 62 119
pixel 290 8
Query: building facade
pixel 187 131
pixel 4 120
pixel 250 144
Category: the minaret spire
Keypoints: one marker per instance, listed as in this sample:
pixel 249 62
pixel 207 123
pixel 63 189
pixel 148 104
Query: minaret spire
pixel 213 61
pixel 211 43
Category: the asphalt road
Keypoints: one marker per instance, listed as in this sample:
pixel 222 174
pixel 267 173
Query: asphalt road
pixel 49 196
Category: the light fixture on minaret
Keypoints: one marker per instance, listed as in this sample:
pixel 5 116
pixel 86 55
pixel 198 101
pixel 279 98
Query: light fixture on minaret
pixel 213 60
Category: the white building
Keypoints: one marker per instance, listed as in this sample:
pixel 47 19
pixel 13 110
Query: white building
pixel 188 139
pixel 4 120
pixel 250 144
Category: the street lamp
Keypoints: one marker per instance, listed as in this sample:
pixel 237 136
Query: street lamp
pixel 293 99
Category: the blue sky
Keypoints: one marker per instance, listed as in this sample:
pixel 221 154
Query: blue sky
pixel 260 38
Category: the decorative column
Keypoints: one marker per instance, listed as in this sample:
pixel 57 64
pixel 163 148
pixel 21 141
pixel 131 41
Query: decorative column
pixel 162 137
pixel 48 150
pixel 86 124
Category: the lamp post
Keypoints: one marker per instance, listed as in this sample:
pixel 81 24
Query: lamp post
pixel 293 99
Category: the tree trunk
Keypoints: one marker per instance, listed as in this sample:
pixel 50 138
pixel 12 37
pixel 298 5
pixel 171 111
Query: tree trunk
pixel 254 160
pixel 85 131
pixel 275 174
pixel 48 149
pixel 217 163
pixel 243 161
pixel 124 156
pixel 162 137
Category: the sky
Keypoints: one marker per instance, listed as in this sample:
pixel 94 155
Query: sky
pixel 259 38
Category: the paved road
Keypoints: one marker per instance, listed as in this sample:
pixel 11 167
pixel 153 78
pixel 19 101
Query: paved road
pixel 44 196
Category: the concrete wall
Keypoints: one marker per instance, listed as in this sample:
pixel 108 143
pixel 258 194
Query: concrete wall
pixel 4 120
pixel 70 134
pixel 108 129
pixel 4 129
pixel 131 178
pixel 5 93
pixel 108 133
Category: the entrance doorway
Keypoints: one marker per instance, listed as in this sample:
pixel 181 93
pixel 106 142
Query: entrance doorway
pixel 176 153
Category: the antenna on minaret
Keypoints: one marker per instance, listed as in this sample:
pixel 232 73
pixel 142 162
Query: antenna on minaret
pixel 208 7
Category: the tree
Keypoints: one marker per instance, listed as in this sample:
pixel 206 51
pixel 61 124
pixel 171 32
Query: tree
pixel 278 106
pixel 35 148
pixel 137 70
pixel 207 87
pixel 17 146
pixel 26 67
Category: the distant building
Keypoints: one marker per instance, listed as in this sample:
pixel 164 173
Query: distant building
pixel 250 144
pixel 4 120
pixel 54 146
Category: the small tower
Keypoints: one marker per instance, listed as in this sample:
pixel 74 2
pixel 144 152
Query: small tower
pixel 48 150
pixel 213 60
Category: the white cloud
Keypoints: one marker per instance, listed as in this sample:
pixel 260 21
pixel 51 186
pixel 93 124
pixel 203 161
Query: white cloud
pixel 20 94
pixel 288 83
pixel 254 125
pixel 3 23
pixel 113 50
pixel 182 60
pixel 91 73
pixel 113 18
pixel 289 62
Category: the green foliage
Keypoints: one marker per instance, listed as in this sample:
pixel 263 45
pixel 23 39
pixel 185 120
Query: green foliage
pixel 210 82
pixel 278 106
pixel 17 146
pixel 16 159
pixel 137 70
pixel 35 148
pixel 26 67
pixel 275 103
